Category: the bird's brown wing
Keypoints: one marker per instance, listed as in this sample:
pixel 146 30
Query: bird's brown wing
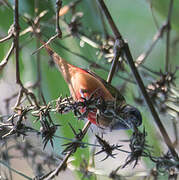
pixel 120 100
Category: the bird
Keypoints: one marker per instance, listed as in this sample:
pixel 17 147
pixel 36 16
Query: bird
pixel 84 84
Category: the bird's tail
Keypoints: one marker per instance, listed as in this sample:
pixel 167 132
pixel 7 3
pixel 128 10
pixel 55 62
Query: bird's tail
pixel 64 67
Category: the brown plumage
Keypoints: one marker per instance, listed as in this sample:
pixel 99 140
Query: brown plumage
pixel 82 84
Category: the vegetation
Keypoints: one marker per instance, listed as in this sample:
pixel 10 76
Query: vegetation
pixel 132 44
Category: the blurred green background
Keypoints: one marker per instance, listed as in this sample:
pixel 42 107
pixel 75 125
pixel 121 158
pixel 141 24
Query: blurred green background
pixel 137 20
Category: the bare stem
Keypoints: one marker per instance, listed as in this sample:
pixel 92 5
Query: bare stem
pixel 5 60
pixel 49 41
pixel 118 38
pixel 16 41
pixel 9 36
pixel 110 20
pixel 114 62
pixel 59 5
pixel 167 58
pixel 141 59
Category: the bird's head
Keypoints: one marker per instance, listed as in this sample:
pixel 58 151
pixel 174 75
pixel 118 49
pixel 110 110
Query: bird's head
pixel 120 118
pixel 129 116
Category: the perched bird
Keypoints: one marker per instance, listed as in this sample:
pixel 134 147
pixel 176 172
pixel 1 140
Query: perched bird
pixel 83 84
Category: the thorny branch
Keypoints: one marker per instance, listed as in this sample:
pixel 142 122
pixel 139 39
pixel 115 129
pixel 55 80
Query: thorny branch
pixel 16 124
pixel 138 144
pixel 134 70
pixel 71 148
pixel 107 148
pixel 149 103
pixel 83 132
